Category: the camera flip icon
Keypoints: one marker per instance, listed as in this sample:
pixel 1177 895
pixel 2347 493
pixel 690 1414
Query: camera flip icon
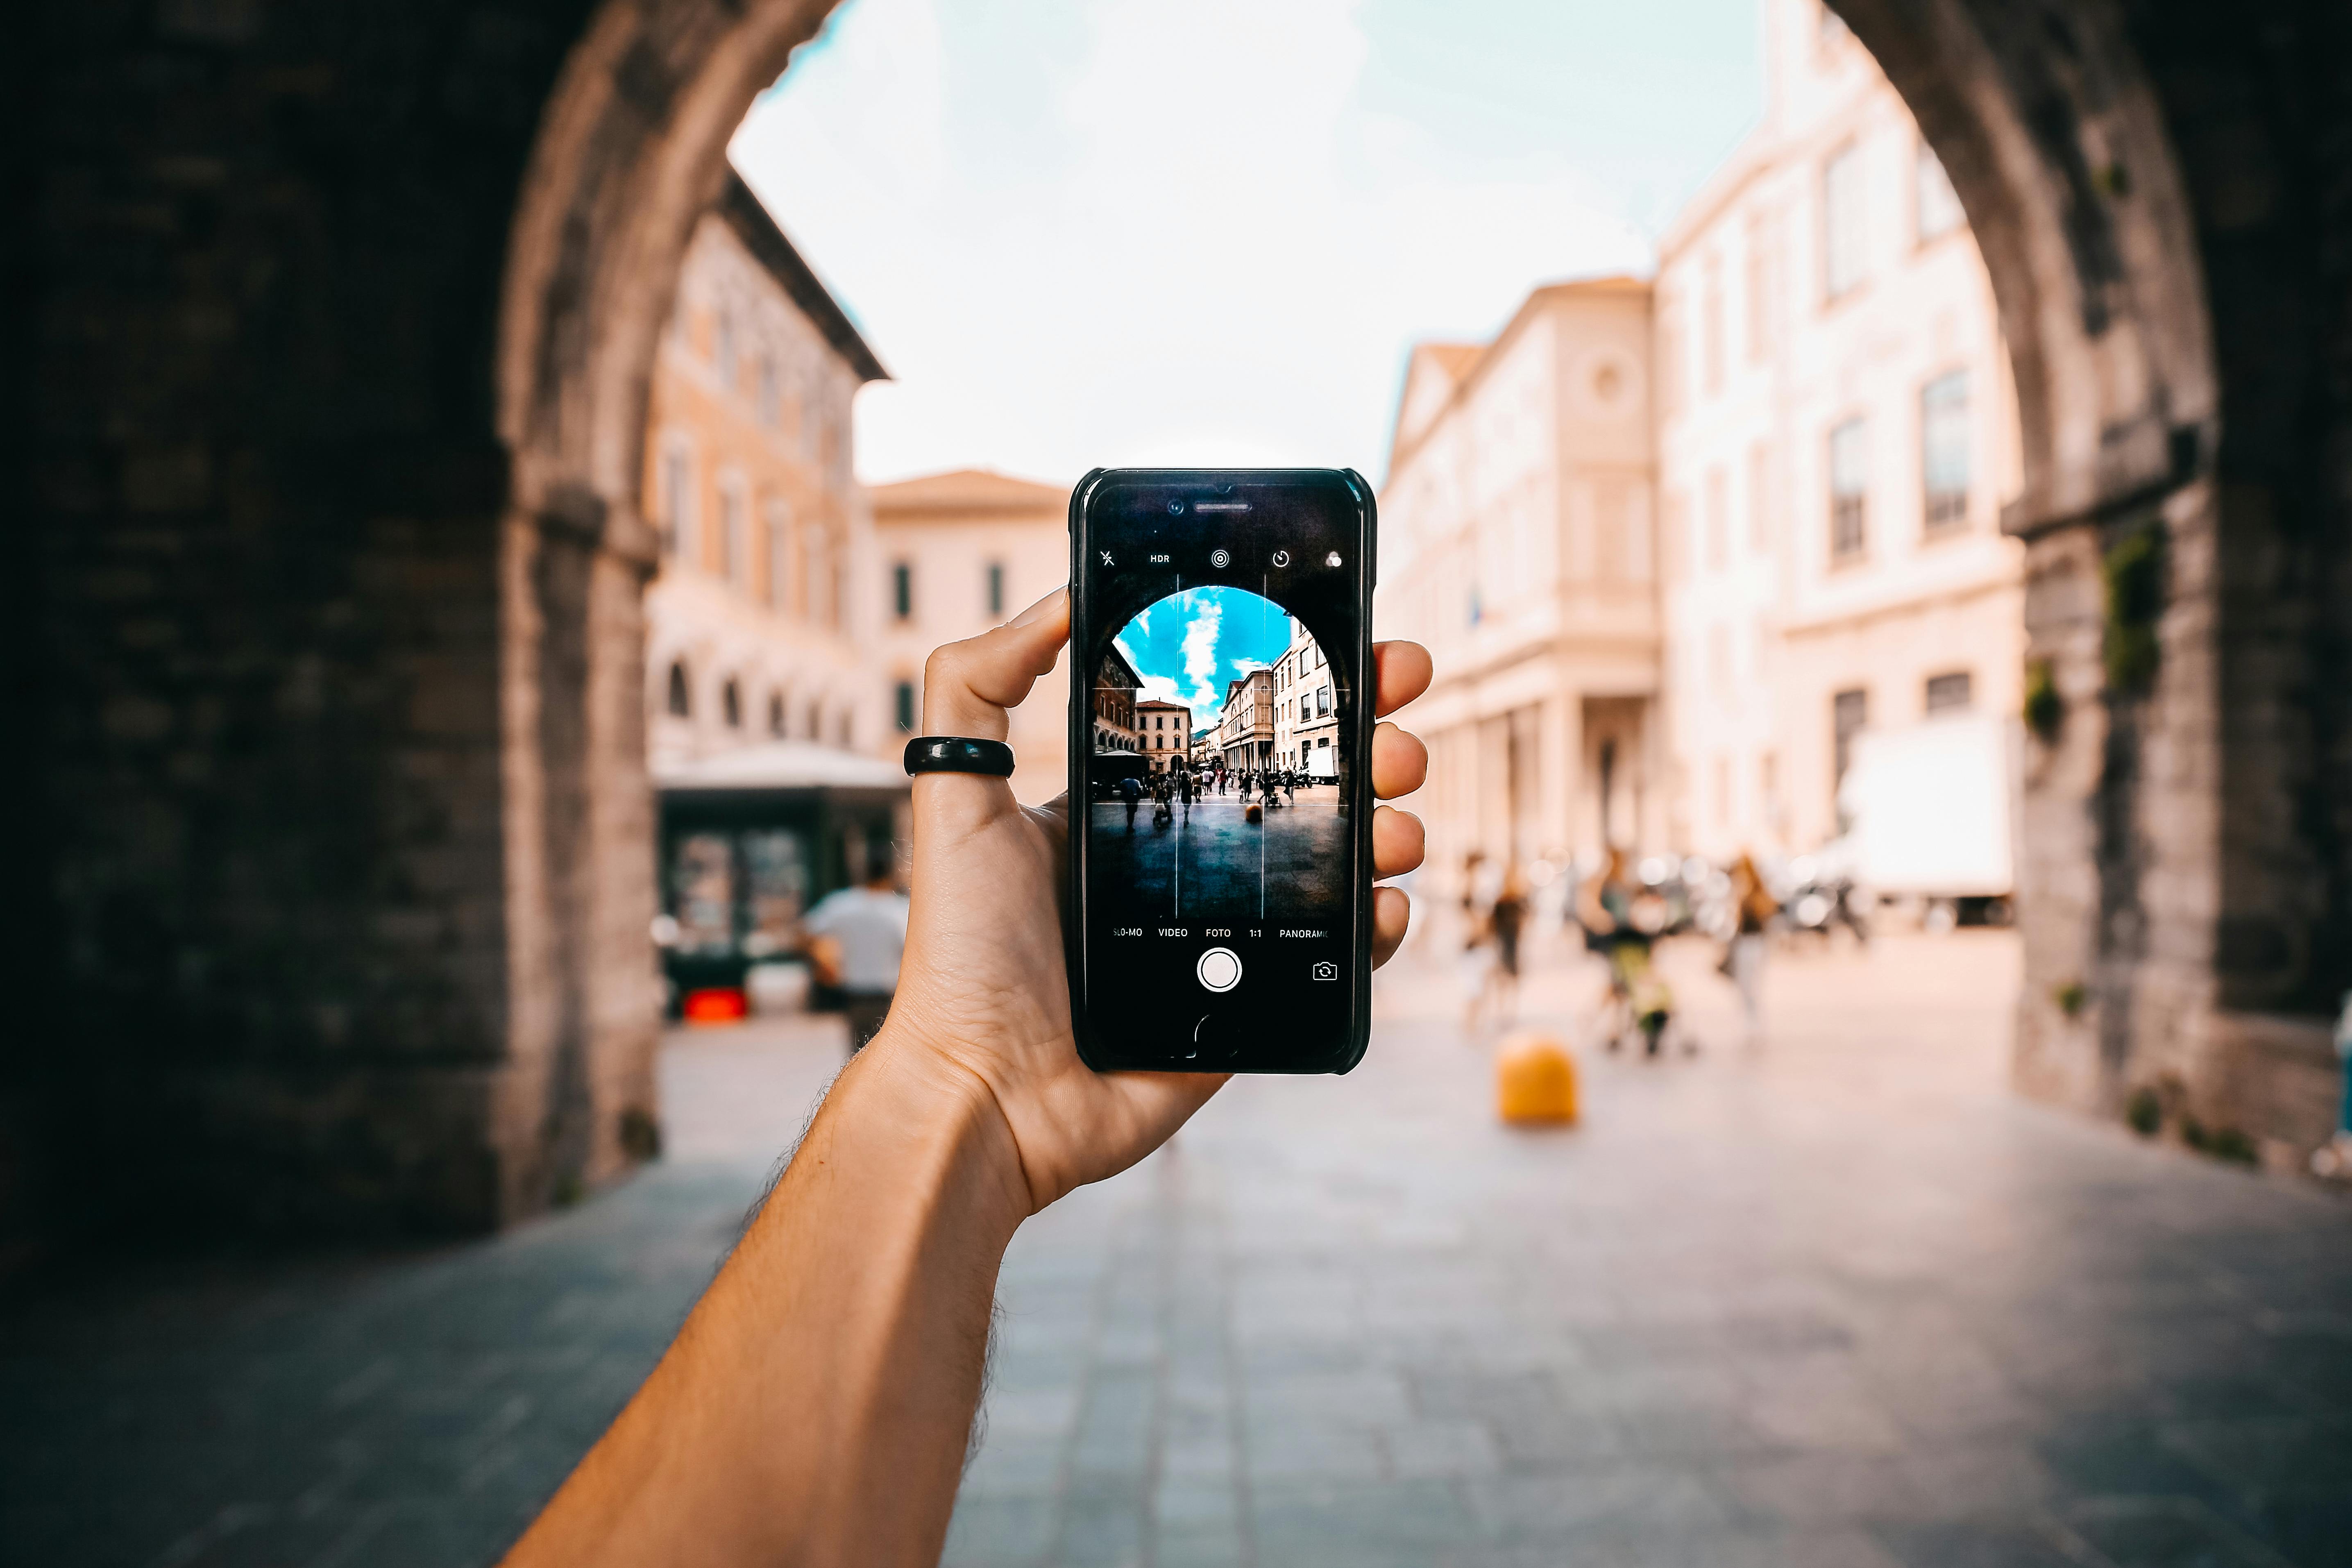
pixel 1326 969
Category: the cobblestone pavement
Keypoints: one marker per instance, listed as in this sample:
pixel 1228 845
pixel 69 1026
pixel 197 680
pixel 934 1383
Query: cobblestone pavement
pixel 1836 1300
pixel 1211 862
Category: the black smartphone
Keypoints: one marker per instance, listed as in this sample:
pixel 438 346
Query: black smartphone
pixel 1221 796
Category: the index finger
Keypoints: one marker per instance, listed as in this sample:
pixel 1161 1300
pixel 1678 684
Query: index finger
pixel 1403 671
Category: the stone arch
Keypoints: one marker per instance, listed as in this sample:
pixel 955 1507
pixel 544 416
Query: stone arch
pixel 2138 178
pixel 381 961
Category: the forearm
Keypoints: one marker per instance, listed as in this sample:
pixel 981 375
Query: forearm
pixel 816 1406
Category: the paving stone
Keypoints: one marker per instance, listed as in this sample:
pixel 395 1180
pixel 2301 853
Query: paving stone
pixel 1769 1310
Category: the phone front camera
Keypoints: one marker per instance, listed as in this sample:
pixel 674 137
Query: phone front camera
pixel 1175 509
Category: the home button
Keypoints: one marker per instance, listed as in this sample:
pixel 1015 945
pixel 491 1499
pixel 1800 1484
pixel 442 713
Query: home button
pixel 1220 969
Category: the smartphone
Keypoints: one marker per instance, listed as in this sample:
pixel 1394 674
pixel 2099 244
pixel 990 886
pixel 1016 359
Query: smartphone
pixel 1221 797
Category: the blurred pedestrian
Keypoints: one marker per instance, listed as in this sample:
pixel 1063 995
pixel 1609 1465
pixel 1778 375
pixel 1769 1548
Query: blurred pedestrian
pixel 1506 918
pixel 1621 918
pixel 1130 790
pixel 1753 911
pixel 1477 941
pixel 860 934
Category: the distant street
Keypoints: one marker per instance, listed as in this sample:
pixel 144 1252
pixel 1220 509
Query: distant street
pixel 1209 861
pixel 1838 1301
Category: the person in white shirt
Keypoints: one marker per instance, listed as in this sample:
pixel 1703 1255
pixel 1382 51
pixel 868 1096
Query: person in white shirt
pixel 860 934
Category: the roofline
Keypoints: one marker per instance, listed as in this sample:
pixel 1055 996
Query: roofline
pixel 1540 295
pixel 758 231
pixel 1056 498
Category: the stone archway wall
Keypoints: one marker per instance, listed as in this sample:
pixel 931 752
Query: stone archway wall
pixel 334 823
pixel 2159 190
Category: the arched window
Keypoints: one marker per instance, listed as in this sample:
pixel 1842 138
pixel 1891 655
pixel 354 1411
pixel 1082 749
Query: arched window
pixel 907 706
pixel 776 714
pixel 681 696
pixel 731 703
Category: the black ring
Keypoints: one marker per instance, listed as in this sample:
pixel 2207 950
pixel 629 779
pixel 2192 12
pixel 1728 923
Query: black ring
pixel 959 755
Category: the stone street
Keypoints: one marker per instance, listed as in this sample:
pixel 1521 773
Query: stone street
pixel 1211 861
pixel 1835 1299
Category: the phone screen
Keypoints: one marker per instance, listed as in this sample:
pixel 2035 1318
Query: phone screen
pixel 1218 826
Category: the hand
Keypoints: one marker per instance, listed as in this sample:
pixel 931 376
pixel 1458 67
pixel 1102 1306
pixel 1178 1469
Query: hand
pixel 983 993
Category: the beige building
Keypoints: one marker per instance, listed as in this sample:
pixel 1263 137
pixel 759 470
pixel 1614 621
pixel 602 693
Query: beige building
pixel 956 553
pixel 750 633
pixel 1163 733
pixel 1116 684
pixel 1517 544
pixel 1245 736
pixel 1305 708
pixel 1836 436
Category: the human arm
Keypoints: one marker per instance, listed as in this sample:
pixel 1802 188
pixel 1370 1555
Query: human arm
pixel 815 1407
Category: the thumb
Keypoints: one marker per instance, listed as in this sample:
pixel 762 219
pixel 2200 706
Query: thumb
pixel 968 685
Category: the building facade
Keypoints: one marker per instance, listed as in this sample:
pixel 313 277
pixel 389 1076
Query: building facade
pixel 1245 737
pixel 1517 544
pixel 1305 708
pixel 1837 434
pixel 955 555
pixel 1163 732
pixel 751 632
pixel 1116 683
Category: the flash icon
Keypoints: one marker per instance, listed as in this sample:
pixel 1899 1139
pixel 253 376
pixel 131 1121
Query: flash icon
pixel 1106 555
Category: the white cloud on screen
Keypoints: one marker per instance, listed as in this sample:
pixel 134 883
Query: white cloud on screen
pixel 1201 653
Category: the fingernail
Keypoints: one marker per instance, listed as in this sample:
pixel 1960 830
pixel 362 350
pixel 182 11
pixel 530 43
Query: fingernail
pixel 1049 601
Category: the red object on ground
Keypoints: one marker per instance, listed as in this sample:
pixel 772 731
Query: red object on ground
pixel 716 1005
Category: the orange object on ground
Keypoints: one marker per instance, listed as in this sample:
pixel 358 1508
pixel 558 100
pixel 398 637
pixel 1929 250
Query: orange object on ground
pixel 1535 1079
pixel 716 1005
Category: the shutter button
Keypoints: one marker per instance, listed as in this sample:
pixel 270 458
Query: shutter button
pixel 1220 969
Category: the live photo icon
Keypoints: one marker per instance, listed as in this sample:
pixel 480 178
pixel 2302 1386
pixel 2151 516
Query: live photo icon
pixel 1327 970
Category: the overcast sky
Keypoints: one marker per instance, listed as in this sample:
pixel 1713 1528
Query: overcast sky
pixel 1123 232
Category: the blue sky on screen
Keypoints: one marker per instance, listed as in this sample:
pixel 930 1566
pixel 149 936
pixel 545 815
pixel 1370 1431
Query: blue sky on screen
pixel 1187 646
pixel 1126 232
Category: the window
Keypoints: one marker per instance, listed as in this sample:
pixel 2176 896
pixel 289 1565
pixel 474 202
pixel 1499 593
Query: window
pixel 780 551
pixel 1849 491
pixel 902 590
pixel 1718 519
pixel 1670 363
pixel 776 714
pixel 1849 712
pixel 1711 328
pixel 726 347
pixel 1760 499
pixel 1305 708
pixel 730 534
pixel 1950 693
pixel 772 396
pixel 678 505
pixel 1758 303
pixel 906 707
pixel 681 695
pixel 1935 206
pixel 1944 452
pixel 1844 239
pixel 1322 701
pixel 731 703
pixel 996 587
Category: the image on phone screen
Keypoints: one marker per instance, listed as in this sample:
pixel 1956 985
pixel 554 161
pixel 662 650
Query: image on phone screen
pixel 1221 637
